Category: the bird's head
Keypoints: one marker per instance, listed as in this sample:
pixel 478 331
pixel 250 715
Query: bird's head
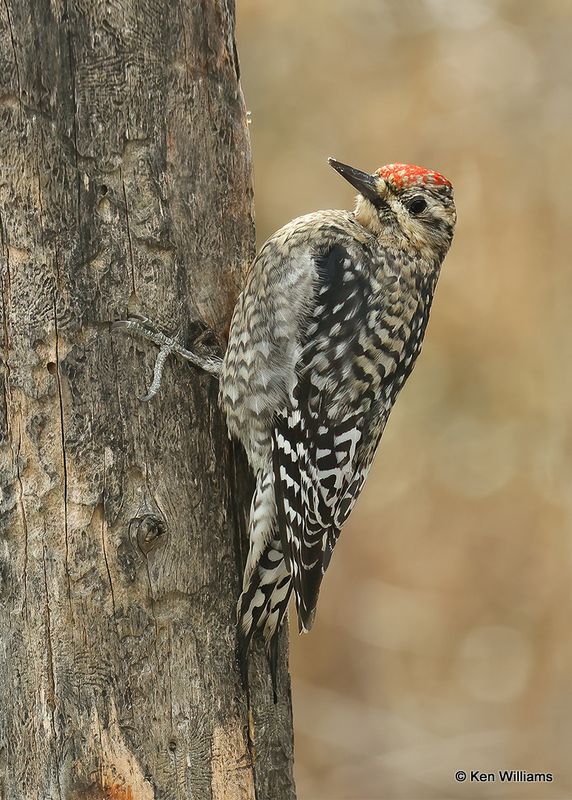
pixel 409 205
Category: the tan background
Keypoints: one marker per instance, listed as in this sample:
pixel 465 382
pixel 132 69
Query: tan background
pixel 443 637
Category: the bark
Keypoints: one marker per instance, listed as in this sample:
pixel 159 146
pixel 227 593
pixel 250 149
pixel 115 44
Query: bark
pixel 125 185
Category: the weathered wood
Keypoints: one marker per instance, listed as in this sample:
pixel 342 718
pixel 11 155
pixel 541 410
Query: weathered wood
pixel 125 184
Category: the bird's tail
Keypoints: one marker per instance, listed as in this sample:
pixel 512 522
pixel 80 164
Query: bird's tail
pixel 262 606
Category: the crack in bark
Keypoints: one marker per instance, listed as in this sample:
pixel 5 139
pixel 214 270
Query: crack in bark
pixel 24 518
pixel 64 454
pixel 103 545
pixel 131 259
pixel 51 667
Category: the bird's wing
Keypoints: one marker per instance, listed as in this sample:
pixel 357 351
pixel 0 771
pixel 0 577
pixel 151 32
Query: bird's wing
pixel 316 485
pixel 324 440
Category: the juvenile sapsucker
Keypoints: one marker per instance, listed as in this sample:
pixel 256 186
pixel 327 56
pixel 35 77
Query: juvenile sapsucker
pixel 323 337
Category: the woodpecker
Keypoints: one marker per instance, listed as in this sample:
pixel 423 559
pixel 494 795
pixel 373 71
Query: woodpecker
pixel 323 337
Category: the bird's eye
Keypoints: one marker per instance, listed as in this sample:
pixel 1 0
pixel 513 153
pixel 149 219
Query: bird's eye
pixel 417 205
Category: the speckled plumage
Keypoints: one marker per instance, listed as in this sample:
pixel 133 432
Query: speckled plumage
pixel 322 339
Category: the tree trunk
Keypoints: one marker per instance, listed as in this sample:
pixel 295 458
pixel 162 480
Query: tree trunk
pixel 125 185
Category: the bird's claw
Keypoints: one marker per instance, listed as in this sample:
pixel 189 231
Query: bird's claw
pixel 139 325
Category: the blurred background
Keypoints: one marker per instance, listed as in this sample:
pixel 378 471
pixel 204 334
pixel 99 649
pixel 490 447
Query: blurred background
pixel 443 639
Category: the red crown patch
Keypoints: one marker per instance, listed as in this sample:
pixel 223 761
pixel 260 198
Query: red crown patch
pixel 403 175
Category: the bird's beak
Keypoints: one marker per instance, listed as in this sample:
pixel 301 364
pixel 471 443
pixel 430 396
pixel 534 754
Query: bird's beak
pixel 366 184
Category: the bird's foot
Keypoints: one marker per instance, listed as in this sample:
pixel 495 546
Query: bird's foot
pixel 138 325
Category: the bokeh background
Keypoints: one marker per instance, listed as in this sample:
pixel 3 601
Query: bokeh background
pixel 444 630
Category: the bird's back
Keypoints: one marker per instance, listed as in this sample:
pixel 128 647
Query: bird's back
pixel 262 359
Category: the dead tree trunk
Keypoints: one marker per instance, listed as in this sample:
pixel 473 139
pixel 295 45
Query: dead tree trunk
pixel 125 184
